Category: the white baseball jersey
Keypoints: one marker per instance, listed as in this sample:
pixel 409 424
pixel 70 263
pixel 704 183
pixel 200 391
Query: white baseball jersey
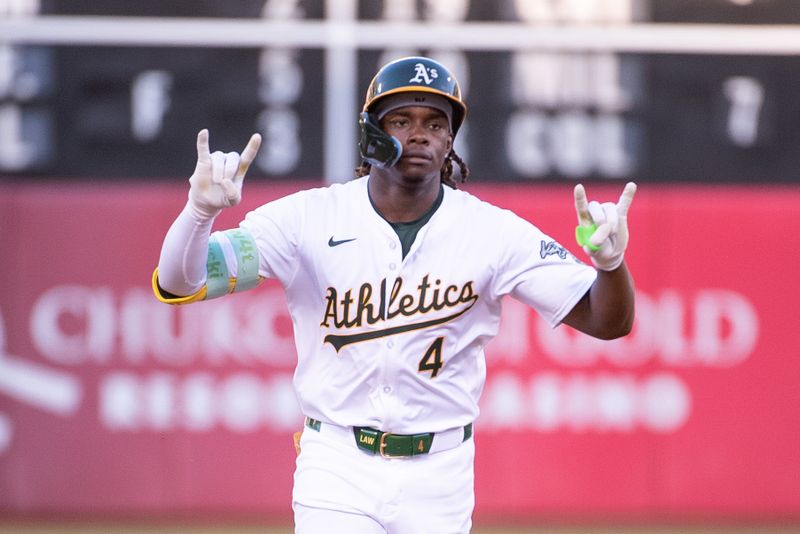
pixel 397 343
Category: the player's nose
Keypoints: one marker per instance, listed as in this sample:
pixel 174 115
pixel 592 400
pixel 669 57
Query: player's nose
pixel 418 133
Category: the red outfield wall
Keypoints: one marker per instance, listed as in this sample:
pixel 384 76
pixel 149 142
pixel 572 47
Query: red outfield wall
pixel 114 404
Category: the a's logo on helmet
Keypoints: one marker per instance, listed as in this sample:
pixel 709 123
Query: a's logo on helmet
pixel 424 74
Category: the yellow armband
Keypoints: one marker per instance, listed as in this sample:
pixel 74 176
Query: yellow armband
pixel 197 297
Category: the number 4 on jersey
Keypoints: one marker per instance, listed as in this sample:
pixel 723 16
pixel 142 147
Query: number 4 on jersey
pixel 432 361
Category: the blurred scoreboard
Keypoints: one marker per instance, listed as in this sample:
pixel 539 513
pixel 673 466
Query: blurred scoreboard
pixel 534 115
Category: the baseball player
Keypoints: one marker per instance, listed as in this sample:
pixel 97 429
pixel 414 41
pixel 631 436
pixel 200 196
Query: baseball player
pixel 394 282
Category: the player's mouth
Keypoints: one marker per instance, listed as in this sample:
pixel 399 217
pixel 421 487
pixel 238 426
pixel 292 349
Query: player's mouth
pixel 416 158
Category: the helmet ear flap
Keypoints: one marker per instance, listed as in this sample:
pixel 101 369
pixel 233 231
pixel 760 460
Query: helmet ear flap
pixel 376 146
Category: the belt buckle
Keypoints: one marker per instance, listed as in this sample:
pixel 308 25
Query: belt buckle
pixel 382 447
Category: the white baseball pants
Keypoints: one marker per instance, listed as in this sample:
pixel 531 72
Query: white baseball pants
pixel 338 488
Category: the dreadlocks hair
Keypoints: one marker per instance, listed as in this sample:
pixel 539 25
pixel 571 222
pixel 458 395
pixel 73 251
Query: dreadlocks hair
pixel 448 178
pixel 446 173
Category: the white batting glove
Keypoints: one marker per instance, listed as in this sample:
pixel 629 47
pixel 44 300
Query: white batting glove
pixel 217 179
pixel 603 228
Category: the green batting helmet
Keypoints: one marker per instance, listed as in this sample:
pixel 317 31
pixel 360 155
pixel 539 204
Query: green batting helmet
pixel 416 73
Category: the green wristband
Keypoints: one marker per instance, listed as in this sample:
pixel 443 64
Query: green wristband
pixel 582 235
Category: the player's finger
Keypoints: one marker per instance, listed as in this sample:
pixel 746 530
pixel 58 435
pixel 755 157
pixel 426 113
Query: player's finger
pixel 231 166
pixel 596 213
pixel 249 154
pixel 600 235
pixel 203 152
pixel 611 216
pixel 231 191
pixel 217 167
pixel 582 206
pixel 626 198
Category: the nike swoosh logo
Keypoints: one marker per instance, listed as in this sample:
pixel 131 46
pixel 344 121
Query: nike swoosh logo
pixel 339 341
pixel 333 243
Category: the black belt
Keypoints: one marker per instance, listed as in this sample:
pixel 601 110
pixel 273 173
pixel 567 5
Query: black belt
pixel 391 445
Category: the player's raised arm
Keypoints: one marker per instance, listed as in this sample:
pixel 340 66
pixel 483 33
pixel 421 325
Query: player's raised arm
pixel 607 310
pixel 215 184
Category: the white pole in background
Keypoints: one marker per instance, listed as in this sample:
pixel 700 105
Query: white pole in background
pixel 341 69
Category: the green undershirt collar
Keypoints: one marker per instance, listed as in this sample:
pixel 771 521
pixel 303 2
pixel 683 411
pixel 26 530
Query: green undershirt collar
pixel 407 231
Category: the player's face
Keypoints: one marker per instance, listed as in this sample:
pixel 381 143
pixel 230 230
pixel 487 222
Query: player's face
pixel 425 135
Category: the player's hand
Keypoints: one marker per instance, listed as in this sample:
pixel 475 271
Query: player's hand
pixel 217 179
pixel 603 228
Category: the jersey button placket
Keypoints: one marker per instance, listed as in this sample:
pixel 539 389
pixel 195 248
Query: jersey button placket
pixel 387 388
pixel 392 246
pixel 388 345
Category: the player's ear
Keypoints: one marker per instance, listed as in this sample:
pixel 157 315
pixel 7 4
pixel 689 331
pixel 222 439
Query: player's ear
pixel 450 142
